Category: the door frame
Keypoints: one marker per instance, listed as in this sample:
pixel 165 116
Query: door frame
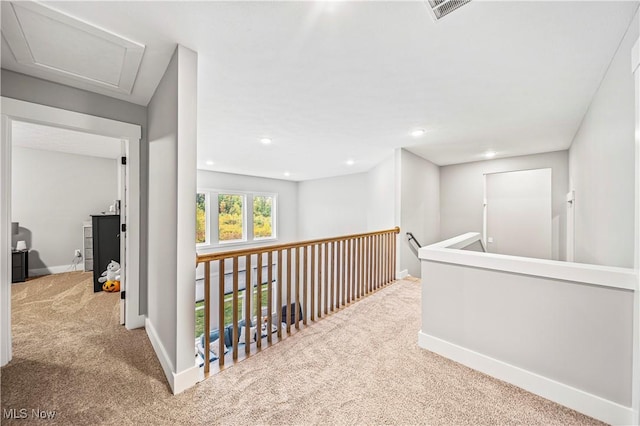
pixel 17 110
pixel 122 200
pixel 635 380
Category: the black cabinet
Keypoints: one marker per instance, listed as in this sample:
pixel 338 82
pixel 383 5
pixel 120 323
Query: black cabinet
pixel 19 266
pixel 106 244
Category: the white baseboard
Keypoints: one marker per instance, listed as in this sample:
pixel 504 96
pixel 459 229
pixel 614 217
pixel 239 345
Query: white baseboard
pixel 54 270
pixel 186 379
pixel 137 322
pixel 161 353
pixel 584 402
pixel 402 274
pixel 178 382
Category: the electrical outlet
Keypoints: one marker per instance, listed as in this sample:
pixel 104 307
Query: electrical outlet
pixel 78 253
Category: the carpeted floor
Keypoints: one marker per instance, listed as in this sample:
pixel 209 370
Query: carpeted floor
pixel 359 366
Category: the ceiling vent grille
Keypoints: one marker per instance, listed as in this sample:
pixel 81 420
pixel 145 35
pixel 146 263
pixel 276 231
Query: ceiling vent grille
pixel 441 8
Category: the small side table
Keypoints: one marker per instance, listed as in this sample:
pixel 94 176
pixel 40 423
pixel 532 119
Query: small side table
pixel 19 266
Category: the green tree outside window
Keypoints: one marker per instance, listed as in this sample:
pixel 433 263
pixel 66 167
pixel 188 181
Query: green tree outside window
pixel 262 218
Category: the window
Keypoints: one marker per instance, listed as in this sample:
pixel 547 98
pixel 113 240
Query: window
pixel 263 217
pixel 240 217
pixel 230 217
pixel 201 218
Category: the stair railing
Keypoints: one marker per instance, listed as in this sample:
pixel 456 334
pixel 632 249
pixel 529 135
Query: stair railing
pixel 307 280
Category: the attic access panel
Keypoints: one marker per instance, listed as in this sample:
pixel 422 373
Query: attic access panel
pixel 59 45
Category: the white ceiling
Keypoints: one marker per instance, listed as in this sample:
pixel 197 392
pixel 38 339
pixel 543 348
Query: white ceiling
pixel 332 81
pixel 45 138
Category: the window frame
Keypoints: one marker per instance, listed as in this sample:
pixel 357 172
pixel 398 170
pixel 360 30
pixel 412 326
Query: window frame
pixel 213 222
pixel 207 220
pixel 245 235
pixel 274 216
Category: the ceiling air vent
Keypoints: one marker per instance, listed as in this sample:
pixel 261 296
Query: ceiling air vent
pixel 441 8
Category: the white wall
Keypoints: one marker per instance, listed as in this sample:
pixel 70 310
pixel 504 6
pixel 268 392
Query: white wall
pixel 287 207
pixel 162 219
pixel 602 167
pixel 419 207
pixel 171 219
pixel 333 206
pixel 561 330
pixel 462 192
pixel 402 190
pixel 381 196
pixel 52 194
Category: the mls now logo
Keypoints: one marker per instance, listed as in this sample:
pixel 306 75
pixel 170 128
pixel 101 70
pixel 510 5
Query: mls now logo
pixel 43 414
pixel 14 413
pixel 23 413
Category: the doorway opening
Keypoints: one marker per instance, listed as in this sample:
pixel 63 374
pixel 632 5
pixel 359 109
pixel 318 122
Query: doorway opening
pixel 15 111
pixel 67 188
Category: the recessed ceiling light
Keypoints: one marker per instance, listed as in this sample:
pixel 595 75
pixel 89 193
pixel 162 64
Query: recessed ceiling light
pixel 265 141
pixel 209 163
pixel 350 162
pixel 287 174
pixel 418 132
pixel 489 154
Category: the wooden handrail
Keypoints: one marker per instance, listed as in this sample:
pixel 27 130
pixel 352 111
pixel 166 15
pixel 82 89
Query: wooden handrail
pixel 208 257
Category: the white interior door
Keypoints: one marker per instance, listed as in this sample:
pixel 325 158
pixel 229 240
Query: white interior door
pixel 518 213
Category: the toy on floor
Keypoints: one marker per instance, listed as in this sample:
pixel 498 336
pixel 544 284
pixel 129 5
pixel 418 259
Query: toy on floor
pixel 111 286
pixel 111 277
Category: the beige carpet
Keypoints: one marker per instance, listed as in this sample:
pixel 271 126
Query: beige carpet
pixel 358 366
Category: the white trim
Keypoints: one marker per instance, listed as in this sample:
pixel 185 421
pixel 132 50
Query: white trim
pixel 186 379
pixel 635 373
pixel 121 172
pixel 133 319
pixel 606 276
pixel 204 249
pixel 5 242
pixel 570 227
pixel 213 242
pixel 13 109
pixel 484 212
pixel 207 219
pixel 59 269
pixel 402 274
pixel 50 116
pixel 459 242
pixel 178 382
pixel 161 352
pixel 584 402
